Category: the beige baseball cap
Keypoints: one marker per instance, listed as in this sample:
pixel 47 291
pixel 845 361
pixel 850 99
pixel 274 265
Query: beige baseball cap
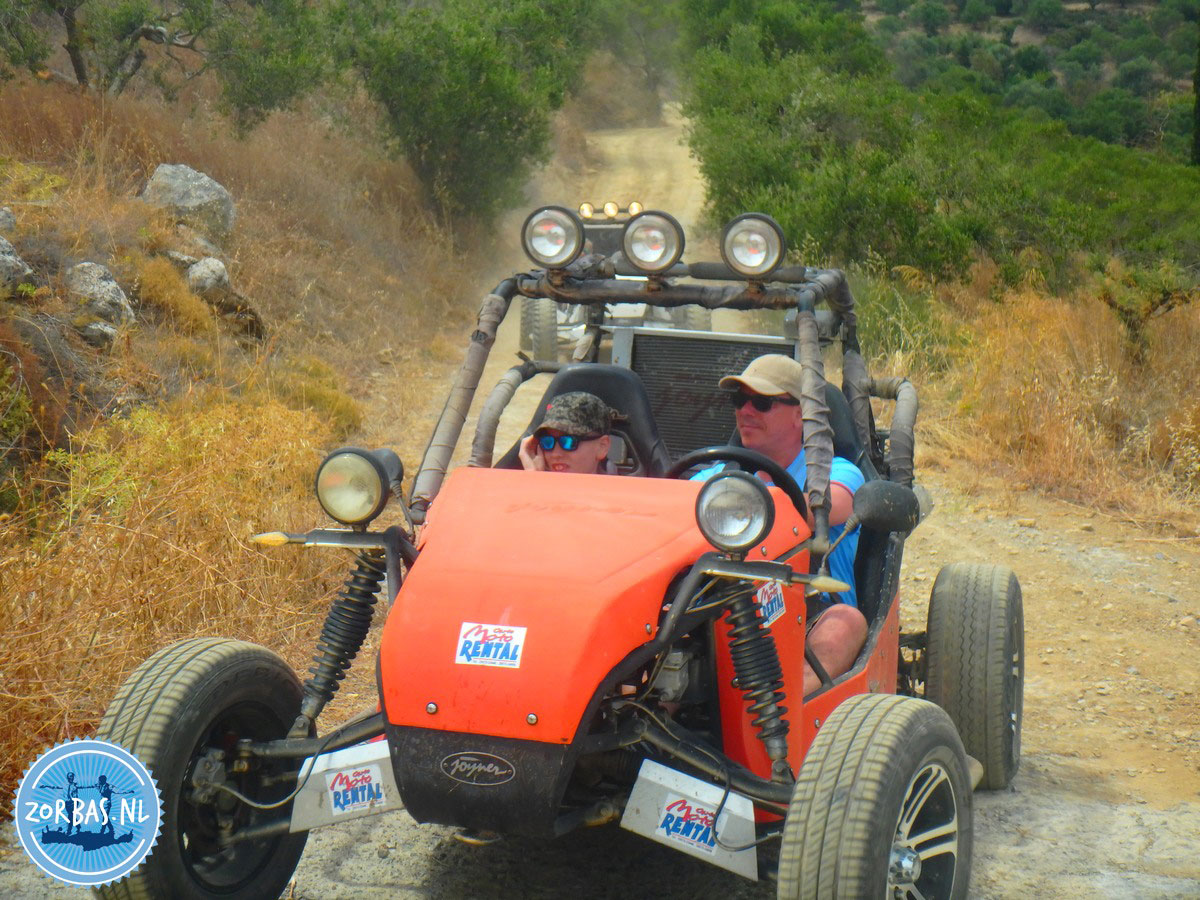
pixel 770 375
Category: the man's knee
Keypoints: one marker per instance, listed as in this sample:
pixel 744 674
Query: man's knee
pixel 841 630
pixel 844 621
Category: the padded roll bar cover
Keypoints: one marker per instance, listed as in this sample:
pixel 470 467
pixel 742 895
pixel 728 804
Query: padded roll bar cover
pixel 622 390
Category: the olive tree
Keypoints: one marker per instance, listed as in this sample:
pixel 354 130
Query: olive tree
pixel 263 52
pixel 466 91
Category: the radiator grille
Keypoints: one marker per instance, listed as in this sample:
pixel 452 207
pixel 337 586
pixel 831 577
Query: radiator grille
pixel 681 377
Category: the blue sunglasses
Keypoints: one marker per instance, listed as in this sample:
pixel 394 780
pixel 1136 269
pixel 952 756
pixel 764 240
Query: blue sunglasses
pixel 567 441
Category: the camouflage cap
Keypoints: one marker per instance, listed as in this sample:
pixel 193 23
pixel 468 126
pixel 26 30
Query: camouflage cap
pixel 577 413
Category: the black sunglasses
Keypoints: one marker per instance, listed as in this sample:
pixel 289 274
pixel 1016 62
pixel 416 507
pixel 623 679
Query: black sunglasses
pixel 567 441
pixel 759 402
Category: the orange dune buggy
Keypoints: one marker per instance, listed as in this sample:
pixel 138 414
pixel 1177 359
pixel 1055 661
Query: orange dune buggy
pixel 562 652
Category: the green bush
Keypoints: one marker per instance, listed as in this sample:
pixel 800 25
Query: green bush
pixel 860 165
pixel 467 91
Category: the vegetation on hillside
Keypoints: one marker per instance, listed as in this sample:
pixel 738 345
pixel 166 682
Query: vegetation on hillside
pixel 1049 276
pixel 130 479
pixel 1120 73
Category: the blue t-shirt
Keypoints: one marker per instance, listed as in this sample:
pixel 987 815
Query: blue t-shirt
pixel 845 473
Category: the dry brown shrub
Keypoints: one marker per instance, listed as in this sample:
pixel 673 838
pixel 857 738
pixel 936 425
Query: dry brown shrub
pixel 1046 382
pixel 158 284
pixel 145 543
pixel 1046 385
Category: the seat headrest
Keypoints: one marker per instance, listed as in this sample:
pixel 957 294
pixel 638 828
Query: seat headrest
pixel 622 390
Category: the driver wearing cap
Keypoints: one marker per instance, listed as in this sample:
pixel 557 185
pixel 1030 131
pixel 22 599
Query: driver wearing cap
pixel 766 402
pixel 573 436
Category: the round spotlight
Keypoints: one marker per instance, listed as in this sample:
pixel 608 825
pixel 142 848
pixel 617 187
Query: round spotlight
pixel 734 511
pixel 611 209
pixel 635 208
pixel 652 242
pixel 552 236
pixel 352 486
pixel 586 210
pixel 753 245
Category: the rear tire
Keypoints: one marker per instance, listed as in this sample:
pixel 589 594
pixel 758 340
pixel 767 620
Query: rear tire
pixel 539 328
pixel 975 663
pixel 882 806
pixel 184 699
pixel 692 317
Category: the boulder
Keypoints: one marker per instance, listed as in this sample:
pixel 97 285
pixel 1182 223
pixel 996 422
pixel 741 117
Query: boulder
pixel 8 221
pixel 13 269
pixel 193 198
pixel 100 292
pixel 208 279
pixel 98 334
pixel 181 261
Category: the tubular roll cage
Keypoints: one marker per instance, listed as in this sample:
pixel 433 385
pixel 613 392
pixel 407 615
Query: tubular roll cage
pixel 591 281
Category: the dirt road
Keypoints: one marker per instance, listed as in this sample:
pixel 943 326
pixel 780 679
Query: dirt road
pixel 1107 800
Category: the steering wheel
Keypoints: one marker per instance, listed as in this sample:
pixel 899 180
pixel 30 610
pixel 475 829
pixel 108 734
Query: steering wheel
pixel 749 460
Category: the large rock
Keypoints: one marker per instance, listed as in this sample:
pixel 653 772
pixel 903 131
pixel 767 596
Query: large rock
pixel 208 279
pixel 98 334
pixel 193 198
pixel 100 292
pixel 13 269
pixel 8 221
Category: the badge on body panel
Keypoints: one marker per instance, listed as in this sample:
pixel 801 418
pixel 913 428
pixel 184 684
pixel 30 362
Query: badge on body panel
pixel 87 812
pixel 490 645
pixel 770 598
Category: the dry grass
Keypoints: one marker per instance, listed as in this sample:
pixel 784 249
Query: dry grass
pixel 133 533
pixel 140 539
pixel 158 285
pixel 1046 386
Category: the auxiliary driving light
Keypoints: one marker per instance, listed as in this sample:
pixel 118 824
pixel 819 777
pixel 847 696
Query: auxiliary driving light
pixel 352 486
pixel 611 209
pixel 652 241
pixel 552 236
pixel 635 208
pixel 734 511
pixel 586 210
pixel 753 245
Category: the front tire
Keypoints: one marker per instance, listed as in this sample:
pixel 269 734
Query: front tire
pixel 882 807
pixel 975 663
pixel 187 698
pixel 539 327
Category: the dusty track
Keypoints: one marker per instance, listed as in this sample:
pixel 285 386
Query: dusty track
pixel 1107 800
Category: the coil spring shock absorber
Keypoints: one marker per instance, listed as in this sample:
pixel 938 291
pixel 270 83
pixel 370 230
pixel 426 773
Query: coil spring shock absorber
pixel 345 629
pixel 759 676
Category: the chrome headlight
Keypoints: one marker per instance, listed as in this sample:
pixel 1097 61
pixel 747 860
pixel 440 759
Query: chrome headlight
pixel 352 486
pixel 552 237
pixel 753 245
pixel 734 511
pixel 652 242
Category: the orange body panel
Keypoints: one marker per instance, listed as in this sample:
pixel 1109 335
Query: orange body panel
pixel 581 563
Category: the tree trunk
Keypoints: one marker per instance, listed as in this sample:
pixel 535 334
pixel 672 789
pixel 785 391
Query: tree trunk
pixel 73 46
pixel 127 69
